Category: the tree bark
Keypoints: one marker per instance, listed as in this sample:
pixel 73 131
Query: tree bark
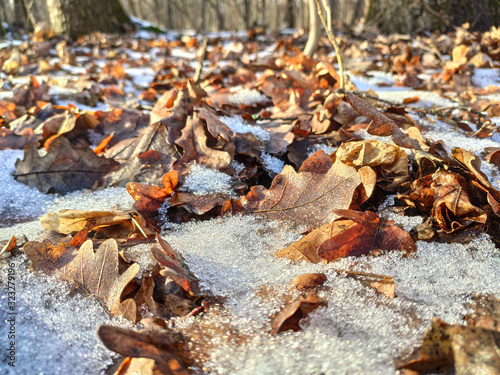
pixel 75 18
pixel 314 30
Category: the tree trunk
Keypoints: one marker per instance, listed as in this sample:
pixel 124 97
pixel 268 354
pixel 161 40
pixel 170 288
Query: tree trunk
pixel 246 11
pixel 314 30
pixel 289 14
pixel 79 17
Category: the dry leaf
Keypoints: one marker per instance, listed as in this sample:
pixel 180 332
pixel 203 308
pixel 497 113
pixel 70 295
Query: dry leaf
pixel 194 142
pixel 390 162
pixel 291 315
pixel 175 267
pixel 308 197
pixel 164 346
pixel 309 280
pixel 466 350
pixel 109 224
pixel 370 234
pixel 64 169
pixel 97 273
pixel 381 124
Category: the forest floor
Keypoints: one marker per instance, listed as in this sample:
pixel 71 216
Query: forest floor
pixel 385 195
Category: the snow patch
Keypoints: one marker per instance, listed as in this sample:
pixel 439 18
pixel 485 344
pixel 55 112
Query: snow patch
pixel 202 180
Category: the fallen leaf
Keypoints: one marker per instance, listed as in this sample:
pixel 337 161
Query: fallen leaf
pixel 195 148
pixel 485 312
pixel 463 350
pixel 164 346
pixel 446 193
pixel 368 235
pixel 309 280
pixel 290 316
pixel 133 366
pixel 381 125
pixel 308 197
pixel 175 267
pixel 389 161
pixel 11 140
pixel 148 199
pixel 382 284
pixel 8 247
pixel 96 273
pixel 64 169
pixel 307 247
pixel 110 224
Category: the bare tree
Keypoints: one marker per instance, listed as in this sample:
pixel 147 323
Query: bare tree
pixel 78 17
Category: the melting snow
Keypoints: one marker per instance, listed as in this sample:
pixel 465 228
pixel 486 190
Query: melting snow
pixel 359 331
pixel 246 96
pixel 238 125
pixel 202 180
pixel 55 329
pixel 272 163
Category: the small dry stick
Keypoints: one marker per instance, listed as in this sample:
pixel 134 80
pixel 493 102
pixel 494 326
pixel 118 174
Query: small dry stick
pixel 334 44
pixel 201 58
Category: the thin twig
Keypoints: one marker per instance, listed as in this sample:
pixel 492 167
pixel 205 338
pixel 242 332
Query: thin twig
pixel 201 58
pixel 31 18
pixel 334 44
pixel 428 111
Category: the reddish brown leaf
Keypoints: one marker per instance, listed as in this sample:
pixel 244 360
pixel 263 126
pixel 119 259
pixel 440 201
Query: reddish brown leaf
pixel 370 234
pixel 175 266
pixel 291 315
pixel 164 346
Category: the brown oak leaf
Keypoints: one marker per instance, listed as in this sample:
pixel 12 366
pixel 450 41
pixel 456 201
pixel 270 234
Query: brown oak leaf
pixel 194 142
pixel 381 124
pixel 290 316
pixel 460 349
pixel 175 267
pixel 308 197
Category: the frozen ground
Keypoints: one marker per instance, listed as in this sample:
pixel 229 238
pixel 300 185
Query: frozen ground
pixel 358 331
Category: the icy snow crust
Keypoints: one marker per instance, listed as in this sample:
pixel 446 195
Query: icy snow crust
pixel 55 330
pixel 202 180
pixel 358 332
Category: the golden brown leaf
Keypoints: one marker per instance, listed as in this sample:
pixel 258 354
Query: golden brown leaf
pixel 309 280
pixel 389 161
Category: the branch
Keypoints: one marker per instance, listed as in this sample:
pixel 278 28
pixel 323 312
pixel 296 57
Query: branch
pixel 334 44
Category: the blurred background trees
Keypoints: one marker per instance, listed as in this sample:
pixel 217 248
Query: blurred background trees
pixel 75 17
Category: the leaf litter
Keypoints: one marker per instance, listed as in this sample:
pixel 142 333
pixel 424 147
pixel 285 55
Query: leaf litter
pixel 219 290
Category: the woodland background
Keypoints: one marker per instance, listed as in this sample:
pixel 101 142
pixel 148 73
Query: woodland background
pixel 389 16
